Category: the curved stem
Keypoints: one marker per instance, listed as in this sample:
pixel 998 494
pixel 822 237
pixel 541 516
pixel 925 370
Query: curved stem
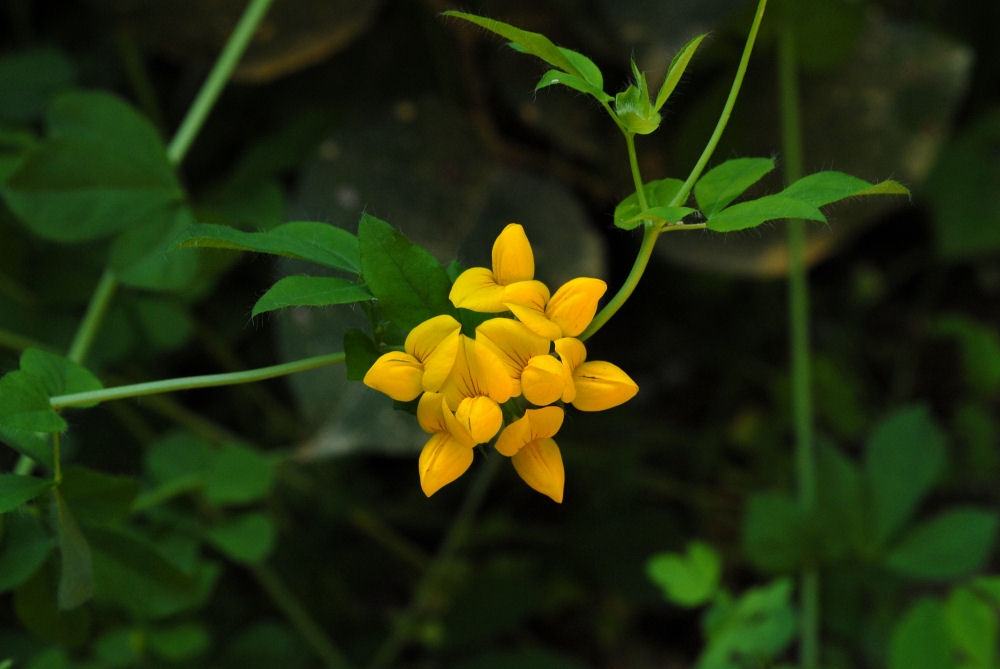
pixel 189 382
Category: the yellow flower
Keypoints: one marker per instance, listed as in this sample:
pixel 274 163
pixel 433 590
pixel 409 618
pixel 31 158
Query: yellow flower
pixel 595 385
pixel 526 357
pixel 428 355
pixel 480 289
pixel 565 314
pixel 535 456
pixel 476 387
pixel 448 453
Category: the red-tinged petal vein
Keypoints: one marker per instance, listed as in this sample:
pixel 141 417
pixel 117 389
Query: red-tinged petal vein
pixel 430 413
pixel 512 257
pixel 540 465
pixel 602 385
pixel 572 352
pixel 424 339
pixel 543 380
pixel 481 417
pixel 512 342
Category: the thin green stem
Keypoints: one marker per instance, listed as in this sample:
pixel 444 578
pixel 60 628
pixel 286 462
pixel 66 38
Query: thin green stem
pixel 798 313
pixel 293 610
pixel 652 232
pixel 189 382
pixel 56 458
pixel 217 78
pixel 100 300
pixel 430 582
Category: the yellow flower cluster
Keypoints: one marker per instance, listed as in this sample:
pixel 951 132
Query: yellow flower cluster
pixel 462 381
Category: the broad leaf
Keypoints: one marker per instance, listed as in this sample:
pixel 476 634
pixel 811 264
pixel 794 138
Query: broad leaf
pixel 24 404
pixel 752 213
pixel 360 353
pixel 310 291
pixel 553 77
pixel 32 77
pixel 840 506
pixel 59 375
pixel 76 577
pixel 320 243
pixel 690 579
pixel 26 546
pixel 141 257
pixel 238 475
pixel 248 538
pixel 16 489
pixel 904 458
pixel 972 625
pixel 676 70
pixel 36 606
pixel 823 188
pixel 658 194
pixel 408 282
pixel 919 640
pixel 98 498
pixel 773 537
pixel 724 183
pixel 952 544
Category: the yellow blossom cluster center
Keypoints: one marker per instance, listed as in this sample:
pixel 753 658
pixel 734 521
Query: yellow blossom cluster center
pixel 530 352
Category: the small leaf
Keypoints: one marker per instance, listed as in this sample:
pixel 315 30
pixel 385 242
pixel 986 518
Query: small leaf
pixel 26 546
pixel 24 404
pixel 840 506
pixel 823 188
pixel 676 70
pixel 320 243
pixel 553 77
pixel 756 627
pixel 658 194
pixel 752 213
pixel 178 455
pixel 246 538
pixel 772 532
pixel 360 353
pixel 972 625
pixel 690 579
pixel 76 579
pixel 238 474
pixel 724 183
pixel 311 291
pixel 409 284
pixel 59 375
pixel 177 643
pixel 919 640
pixel 16 489
pixel 904 458
pixel 952 544
pixel 32 77
pixel 661 215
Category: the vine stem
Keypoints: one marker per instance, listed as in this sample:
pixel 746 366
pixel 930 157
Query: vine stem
pixel 798 326
pixel 92 397
pixel 86 332
pixel 652 232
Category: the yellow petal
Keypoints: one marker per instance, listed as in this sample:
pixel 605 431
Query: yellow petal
pixel 527 299
pixel 574 304
pixel 542 380
pixel 430 413
pixel 514 437
pixel 513 343
pixel 601 385
pixel 480 417
pixel 572 352
pixel 540 464
pixel 426 337
pixel 512 257
pixel 442 460
pixel 476 289
pixel 397 374
pixel 545 422
pixel 477 371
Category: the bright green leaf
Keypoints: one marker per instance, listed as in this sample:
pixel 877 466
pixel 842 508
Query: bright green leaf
pixel 661 215
pixel 26 546
pixel 768 208
pixel 320 243
pixel 658 194
pixel 98 498
pixel 823 188
pixel 724 183
pixel 76 577
pixel 180 642
pixel 772 532
pixel 919 640
pixel 141 257
pixel 758 626
pixel 31 77
pixel 972 625
pixel 905 456
pixel 553 77
pixel 952 544
pixel 311 291
pixel 248 538
pixel 409 284
pixel 690 579
pixel 676 70
pixel 237 475
pixel 24 404
pixel 16 489
pixel 360 354
pixel 59 375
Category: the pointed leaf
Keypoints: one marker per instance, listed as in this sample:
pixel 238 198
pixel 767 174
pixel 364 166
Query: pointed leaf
pixel 676 70
pixel 76 579
pixel 586 68
pixel 658 193
pixel 752 213
pixel 952 544
pixel 320 243
pixel 823 188
pixel 572 81
pixel 724 183
pixel 905 456
pixel 310 291
pixel 16 489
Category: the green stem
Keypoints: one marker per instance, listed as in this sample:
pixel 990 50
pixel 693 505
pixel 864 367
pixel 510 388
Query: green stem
pixel 293 610
pixel 100 300
pixel 189 382
pixel 651 232
pixel 798 307
pixel 427 588
pixel 217 78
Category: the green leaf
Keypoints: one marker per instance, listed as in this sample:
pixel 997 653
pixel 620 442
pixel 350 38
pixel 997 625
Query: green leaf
pixel 59 375
pixel 840 506
pixel 247 538
pixel 988 587
pixel 102 169
pixel 36 606
pixel 16 489
pixel 905 456
pixel 980 347
pixel 409 284
pixel 676 70
pixel 28 443
pixel 26 547
pixel 165 323
pixel 724 183
pixel 320 243
pixel 972 625
pixel 141 256
pixel 752 213
pixel 76 577
pixel 952 544
pixel 180 642
pixel 919 640
pixel 312 291
pixel 360 354
pixel 772 532
pixel 238 475
pixel 24 404
pixel 31 77
pixel 658 194
pixel 661 215
pixel 634 110
pixel 98 498
pixel 823 188
pixel 757 627
pixel 690 579
pixel 553 77
pixel 178 455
